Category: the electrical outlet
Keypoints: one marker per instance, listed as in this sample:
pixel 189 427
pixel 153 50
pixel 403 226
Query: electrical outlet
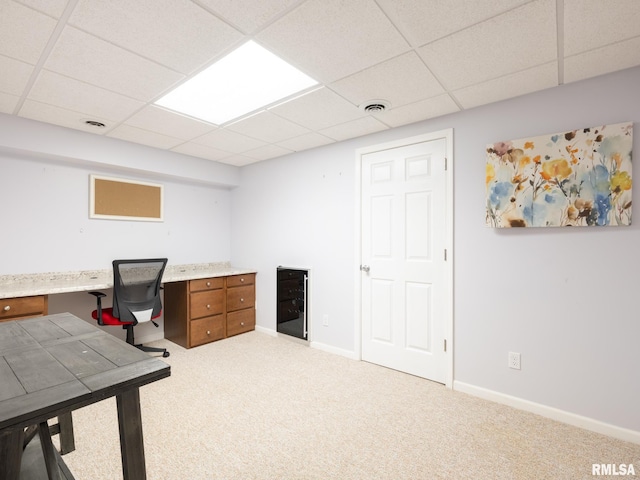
pixel 325 320
pixel 514 360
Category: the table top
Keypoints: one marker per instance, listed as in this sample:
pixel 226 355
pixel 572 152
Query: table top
pixel 57 363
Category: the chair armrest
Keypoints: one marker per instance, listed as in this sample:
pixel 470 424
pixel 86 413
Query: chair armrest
pixel 99 296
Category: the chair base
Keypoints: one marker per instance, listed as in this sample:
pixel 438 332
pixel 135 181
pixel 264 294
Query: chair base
pixel 144 348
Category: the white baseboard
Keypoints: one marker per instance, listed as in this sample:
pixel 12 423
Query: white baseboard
pixel 320 346
pixel 266 330
pixel 336 351
pixel 550 412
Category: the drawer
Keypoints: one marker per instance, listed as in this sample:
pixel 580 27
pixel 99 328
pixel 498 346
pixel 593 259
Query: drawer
pixel 204 304
pixel 23 306
pixel 206 284
pixel 238 280
pixel 241 321
pixel 241 297
pixel 205 330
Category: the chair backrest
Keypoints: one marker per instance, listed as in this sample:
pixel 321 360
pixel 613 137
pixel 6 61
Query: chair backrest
pixel 136 289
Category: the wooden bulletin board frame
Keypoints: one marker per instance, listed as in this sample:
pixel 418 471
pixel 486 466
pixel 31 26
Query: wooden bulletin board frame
pixel 122 199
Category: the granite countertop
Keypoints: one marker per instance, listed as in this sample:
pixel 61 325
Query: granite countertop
pixel 25 285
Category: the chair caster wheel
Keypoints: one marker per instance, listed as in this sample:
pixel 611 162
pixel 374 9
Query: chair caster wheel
pixel 165 354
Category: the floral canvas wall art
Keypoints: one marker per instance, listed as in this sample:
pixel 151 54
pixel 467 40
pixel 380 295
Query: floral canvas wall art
pixel 575 178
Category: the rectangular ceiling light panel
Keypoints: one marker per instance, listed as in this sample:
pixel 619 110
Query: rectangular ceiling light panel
pixel 247 79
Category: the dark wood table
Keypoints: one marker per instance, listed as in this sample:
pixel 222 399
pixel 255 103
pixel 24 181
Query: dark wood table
pixel 52 365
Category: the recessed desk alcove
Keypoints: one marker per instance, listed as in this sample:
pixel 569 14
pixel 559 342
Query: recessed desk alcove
pixel 27 295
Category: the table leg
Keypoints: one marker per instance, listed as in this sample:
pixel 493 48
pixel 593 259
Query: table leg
pixel 50 461
pixel 67 441
pixel 11 453
pixel 131 442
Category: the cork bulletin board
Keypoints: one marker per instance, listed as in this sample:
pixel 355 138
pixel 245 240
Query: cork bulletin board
pixel 121 199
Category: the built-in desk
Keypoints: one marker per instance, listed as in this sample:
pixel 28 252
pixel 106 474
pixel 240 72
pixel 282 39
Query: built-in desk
pixel 225 295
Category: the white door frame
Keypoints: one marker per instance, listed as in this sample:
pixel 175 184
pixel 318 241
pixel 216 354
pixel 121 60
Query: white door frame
pixel 447 135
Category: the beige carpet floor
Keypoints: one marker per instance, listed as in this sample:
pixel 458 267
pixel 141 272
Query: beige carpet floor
pixel 265 408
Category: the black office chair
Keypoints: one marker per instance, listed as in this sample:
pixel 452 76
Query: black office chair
pixel 136 297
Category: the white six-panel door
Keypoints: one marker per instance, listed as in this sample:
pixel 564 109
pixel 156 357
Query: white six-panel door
pixel 403 240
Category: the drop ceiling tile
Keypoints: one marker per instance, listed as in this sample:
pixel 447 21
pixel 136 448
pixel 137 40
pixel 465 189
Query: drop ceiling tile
pixel 15 75
pixel 55 8
pixel 517 40
pixel 169 123
pixel 78 96
pixel 200 151
pixel 602 60
pixel 425 21
pixel 401 80
pixel 266 152
pixel 305 142
pixel 8 102
pixel 145 137
pixel 92 60
pixel 319 109
pixel 249 15
pixel 330 39
pixel 355 128
pixel 508 86
pixel 60 116
pixel 24 33
pixel 229 141
pixel 268 127
pixel 176 33
pixel 590 24
pixel 422 110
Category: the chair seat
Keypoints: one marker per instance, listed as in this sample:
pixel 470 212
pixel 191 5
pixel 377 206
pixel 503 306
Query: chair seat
pixel 108 318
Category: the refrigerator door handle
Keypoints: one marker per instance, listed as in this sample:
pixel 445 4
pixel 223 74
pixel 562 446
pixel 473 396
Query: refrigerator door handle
pixel 306 309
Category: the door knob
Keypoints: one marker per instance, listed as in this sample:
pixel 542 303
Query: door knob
pixel 365 268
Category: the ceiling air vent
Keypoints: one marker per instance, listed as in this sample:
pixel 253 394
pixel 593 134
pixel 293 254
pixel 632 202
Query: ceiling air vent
pixel 95 123
pixel 375 106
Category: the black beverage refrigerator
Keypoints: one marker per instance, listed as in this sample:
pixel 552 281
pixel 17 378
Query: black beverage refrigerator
pixel 292 296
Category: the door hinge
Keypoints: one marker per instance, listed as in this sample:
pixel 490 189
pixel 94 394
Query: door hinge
pixel 445 254
pixel 445 164
pixel 445 344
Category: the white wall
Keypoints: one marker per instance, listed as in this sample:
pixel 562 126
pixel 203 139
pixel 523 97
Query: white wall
pixel 565 299
pixel 44 203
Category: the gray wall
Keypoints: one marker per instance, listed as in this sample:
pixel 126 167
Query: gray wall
pixel 566 299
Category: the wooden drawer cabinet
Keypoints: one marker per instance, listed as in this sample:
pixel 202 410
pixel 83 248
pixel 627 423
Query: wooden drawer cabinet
pixel 23 307
pixel 241 304
pixel 204 310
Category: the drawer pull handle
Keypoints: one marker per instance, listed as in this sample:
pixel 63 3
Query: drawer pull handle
pixel 7 308
pixel 208 284
pixel 242 324
pixel 242 280
pixel 208 332
pixel 208 307
pixel 241 300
